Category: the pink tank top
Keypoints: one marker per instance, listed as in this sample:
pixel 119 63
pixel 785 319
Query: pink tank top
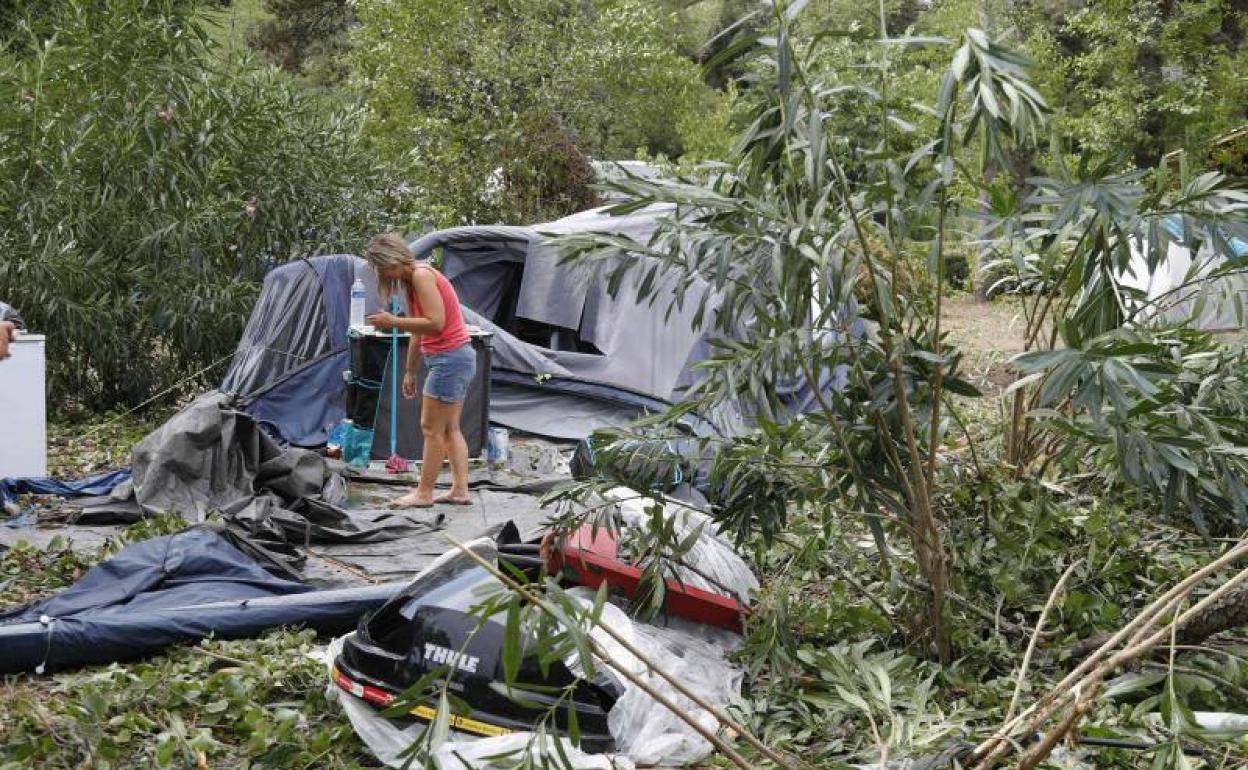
pixel 454 333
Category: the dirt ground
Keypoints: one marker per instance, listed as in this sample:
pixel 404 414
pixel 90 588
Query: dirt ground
pixel 988 333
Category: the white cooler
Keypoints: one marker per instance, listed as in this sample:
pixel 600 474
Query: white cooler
pixel 23 409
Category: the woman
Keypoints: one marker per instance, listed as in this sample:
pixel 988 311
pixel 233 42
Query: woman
pixel 449 360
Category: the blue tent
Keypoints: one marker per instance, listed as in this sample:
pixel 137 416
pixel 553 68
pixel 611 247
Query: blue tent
pixel 199 583
pixel 287 373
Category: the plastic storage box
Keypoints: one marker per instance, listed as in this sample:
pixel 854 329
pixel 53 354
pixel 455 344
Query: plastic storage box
pixel 23 409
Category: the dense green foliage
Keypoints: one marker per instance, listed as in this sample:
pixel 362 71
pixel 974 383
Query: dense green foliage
pixel 148 180
pixel 483 112
pixel 306 37
pixel 1142 78
pixel 145 185
pixel 491 110
pixel 254 704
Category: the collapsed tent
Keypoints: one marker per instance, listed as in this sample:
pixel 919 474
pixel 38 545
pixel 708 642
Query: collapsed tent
pixel 202 582
pixel 570 354
pixel 568 357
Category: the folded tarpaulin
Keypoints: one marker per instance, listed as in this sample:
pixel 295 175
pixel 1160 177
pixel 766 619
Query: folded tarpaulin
pixel 91 486
pixel 212 457
pixel 168 590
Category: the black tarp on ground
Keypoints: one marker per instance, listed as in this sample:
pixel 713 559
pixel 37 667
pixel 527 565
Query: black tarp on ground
pixel 168 590
pixel 212 457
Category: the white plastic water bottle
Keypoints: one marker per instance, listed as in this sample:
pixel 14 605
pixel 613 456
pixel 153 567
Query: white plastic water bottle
pixel 357 304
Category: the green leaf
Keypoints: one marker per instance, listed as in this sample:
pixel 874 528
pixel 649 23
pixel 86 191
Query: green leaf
pixel 513 645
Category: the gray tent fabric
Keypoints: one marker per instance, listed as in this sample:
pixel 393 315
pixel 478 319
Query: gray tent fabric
pixel 556 294
pixel 212 457
pixel 552 319
pixel 558 417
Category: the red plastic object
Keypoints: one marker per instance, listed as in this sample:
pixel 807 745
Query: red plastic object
pixel 367 692
pixel 397 464
pixel 592 558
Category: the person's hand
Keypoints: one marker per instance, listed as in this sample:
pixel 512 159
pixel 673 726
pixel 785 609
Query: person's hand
pixel 8 333
pixel 383 321
pixel 409 385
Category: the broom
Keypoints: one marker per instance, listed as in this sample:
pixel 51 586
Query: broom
pixel 395 464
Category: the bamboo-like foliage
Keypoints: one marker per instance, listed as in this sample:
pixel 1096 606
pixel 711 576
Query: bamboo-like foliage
pixel 145 185
pixel 801 273
pixel 1116 377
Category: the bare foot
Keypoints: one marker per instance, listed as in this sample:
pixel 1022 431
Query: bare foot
pixel 412 500
pixel 451 498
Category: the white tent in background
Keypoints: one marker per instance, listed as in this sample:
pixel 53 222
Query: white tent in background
pixel 1197 286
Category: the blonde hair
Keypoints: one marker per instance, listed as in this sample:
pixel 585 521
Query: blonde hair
pixel 385 251
pixel 388 250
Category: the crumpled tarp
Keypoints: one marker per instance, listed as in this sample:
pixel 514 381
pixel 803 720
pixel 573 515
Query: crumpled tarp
pixel 201 582
pixel 99 484
pixel 212 457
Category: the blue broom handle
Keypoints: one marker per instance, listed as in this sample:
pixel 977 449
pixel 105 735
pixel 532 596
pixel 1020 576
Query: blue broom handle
pixel 394 374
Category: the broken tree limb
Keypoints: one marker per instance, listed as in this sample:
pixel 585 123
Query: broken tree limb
pixel 999 623
pixel 1145 631
pixel 1227 614
pixel 1050 740
pixel 1230 612
pixel 1031 646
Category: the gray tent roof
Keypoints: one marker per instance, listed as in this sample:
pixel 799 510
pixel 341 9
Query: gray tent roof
pixel 423 246
pixel 512 276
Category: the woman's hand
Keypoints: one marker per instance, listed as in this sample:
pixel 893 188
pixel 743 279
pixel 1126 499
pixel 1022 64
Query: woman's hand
pixel 409 385
pixel 383 321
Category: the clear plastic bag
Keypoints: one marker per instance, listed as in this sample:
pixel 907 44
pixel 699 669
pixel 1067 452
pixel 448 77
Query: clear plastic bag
pixel 644 730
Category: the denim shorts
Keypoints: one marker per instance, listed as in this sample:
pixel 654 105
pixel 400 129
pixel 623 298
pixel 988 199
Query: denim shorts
pixel 449 373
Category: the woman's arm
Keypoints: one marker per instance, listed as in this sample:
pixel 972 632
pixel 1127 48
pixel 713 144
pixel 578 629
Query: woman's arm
pixel 413 355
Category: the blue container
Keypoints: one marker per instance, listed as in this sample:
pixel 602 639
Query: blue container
pixel 357 445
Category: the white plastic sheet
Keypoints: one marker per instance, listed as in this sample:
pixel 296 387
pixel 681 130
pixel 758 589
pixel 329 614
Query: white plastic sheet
pixel 644 730
pixel 711 564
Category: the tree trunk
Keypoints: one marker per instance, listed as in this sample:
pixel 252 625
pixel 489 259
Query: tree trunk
pixel 1226 615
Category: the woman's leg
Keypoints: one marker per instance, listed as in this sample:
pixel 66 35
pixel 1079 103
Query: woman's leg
pixel 457 452
pixel 434 415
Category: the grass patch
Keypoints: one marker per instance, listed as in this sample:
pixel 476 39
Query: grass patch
pixel 243 704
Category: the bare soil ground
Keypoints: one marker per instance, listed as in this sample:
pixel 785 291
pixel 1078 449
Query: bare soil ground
pixel 988 333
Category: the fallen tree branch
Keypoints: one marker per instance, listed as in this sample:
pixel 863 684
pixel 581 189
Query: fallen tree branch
pixel 1229 613
pixel 1016 629
pixel 1144 632
pixel 1050 741
pixel 597 649
pixel 1031 646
